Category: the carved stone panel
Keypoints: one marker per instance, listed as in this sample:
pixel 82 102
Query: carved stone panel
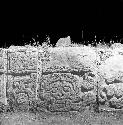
pixel 22 61
pixel 22 84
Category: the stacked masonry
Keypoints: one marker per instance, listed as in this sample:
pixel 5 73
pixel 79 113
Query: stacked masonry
pixel 23 72
pixel 28 73
pixel 18 72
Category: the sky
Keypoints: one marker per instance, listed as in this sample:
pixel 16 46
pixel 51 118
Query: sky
pixel 100 16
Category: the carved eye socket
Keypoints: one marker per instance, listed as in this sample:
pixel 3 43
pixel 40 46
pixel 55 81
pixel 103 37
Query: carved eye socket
pixel 66 88
pixel 54 90
pixel 22 97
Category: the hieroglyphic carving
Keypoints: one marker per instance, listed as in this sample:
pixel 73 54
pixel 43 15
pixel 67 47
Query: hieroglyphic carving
pixel 22 84
pixel 65 86
pixel 22 61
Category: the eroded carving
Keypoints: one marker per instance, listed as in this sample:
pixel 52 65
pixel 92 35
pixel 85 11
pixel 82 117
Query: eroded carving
pixel 22 61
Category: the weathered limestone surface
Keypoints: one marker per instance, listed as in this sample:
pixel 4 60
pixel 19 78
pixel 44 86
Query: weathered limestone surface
pixel 51 75
pixel 111 90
